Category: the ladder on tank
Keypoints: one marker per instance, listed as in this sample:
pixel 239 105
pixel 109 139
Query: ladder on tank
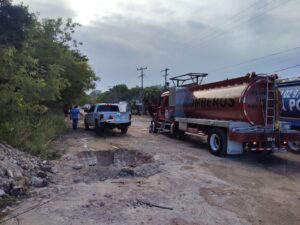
pixel 270 115
pixel 270 110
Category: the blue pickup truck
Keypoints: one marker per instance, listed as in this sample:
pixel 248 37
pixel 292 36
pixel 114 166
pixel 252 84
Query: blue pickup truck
pixel 290 91
pixel 107 116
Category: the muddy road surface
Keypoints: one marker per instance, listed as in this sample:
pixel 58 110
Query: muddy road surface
pixel 141 178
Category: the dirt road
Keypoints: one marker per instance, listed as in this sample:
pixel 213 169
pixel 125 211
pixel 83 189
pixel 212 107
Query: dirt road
pixel 161 180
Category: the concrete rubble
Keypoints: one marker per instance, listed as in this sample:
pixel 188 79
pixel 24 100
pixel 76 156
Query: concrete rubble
pixel 19 171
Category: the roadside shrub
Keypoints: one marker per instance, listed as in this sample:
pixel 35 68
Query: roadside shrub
pixel 33 133
pixel 41 70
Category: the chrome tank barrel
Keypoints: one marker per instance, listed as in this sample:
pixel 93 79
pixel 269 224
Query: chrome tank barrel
pixel 240 99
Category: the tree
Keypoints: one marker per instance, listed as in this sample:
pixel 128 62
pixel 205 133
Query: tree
pixel 152 96
pixel 41 71
pixel 55 47
pixel 14 22
pixel 121 92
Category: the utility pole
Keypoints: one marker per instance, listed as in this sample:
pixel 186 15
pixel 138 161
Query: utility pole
pixel 142 84
pixel 142 75
pixel 166 76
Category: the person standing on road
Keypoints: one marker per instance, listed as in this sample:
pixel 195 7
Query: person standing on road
pixel 74 113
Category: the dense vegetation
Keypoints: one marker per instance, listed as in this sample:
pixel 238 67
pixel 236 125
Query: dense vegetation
pixel 41 73
pixel 149 96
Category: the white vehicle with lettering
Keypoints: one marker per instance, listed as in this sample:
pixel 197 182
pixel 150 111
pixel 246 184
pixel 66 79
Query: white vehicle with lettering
pixel 107 116
pixel 290 91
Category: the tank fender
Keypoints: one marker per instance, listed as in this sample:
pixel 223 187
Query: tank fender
pixel 234 147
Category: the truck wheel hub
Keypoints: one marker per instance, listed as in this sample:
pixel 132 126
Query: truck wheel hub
pixel 214 142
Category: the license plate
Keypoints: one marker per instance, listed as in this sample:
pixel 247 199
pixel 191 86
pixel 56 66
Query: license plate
pixel 271 139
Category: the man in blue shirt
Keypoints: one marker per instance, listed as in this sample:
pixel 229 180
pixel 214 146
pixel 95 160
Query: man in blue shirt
pixel 75 116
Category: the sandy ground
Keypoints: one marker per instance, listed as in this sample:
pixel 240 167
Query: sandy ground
pixel 199 188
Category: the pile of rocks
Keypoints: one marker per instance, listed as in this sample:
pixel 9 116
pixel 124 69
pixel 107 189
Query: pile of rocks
pixel 19 171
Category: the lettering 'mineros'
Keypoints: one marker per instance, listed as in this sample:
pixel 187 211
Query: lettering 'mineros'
pixel 213 102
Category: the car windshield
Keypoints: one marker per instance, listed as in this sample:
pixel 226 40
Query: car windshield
pixel 108 108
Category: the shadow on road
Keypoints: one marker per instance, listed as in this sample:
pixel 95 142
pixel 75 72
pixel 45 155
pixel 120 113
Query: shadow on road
pixel 284 163
pixel 107 133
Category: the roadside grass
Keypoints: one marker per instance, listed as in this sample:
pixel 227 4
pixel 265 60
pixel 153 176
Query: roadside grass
pixel 34 134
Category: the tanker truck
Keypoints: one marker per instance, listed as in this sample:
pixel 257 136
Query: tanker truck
pixel 290 92
pixel 235 114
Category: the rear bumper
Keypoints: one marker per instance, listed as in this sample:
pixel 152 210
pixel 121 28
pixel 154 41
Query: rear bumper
pixel 274 149
pixel 250 137
pixel 269 141
pixel 114 124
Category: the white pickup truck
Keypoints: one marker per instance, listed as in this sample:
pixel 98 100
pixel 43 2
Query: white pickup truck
pixel 107 116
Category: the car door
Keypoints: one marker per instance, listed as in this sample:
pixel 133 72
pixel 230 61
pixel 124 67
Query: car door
pixel 90 116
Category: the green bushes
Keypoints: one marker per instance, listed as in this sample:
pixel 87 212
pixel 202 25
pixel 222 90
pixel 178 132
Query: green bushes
pixel 34 133
pixel 42 72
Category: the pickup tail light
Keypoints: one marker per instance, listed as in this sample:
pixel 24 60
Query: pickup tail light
pixel 101 117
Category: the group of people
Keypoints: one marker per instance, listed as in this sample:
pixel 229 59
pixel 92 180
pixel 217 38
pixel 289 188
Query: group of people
pixel 74 116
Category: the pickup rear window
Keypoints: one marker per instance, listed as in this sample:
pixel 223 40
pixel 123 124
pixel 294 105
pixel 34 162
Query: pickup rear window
pixel 108 108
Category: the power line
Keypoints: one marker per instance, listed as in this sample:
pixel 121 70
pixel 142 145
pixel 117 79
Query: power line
pixel 287 68
pixel 240 22
pixel 220 33
pixel 258 58
pixel 249 7
pixel 231 19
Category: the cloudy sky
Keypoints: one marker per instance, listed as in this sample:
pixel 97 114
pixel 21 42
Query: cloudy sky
pixel 224 38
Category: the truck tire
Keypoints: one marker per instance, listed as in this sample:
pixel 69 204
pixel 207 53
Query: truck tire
pixel 98 129
pixel 152 127
pixel 176 132
pixel 294 146
pixel 124 130
pixel 217 141
pixel 86 125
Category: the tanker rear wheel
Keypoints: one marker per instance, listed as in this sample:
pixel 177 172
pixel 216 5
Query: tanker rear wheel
pixel 217 141
pixel 294 146
pixel 176 132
